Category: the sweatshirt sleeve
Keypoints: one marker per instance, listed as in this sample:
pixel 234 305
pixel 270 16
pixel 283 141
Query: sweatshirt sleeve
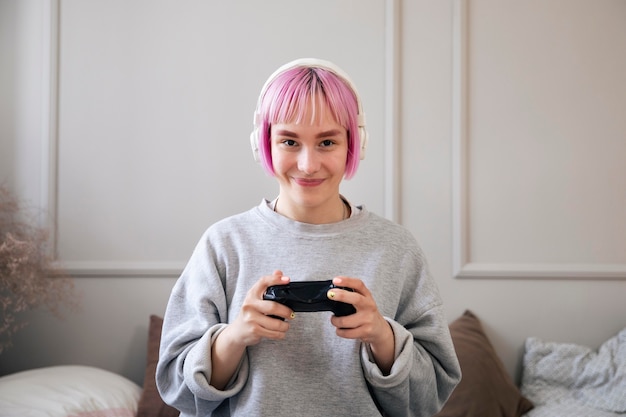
pixel 426 369
pixel 424 373
pixel 194 317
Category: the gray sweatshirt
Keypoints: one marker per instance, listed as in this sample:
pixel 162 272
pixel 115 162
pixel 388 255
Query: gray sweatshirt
pixel 312 372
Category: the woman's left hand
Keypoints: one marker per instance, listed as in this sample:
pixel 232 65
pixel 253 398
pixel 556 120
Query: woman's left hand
pixel 367 324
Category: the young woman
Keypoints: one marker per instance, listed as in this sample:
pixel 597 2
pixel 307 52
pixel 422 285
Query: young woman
pixel 225 351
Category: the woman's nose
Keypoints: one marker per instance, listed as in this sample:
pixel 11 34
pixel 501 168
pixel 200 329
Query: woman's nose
pixel 308 161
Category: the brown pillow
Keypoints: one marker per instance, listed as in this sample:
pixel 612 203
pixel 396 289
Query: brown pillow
pixel 485 389
pixel 150 403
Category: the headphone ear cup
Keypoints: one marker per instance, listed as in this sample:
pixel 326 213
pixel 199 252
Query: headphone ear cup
pixel 254 144
pixel 363 139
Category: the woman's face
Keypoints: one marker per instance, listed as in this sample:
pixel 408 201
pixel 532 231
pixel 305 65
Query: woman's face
pixel 309 160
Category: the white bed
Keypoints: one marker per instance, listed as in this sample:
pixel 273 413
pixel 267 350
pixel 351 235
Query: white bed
pixel 570 380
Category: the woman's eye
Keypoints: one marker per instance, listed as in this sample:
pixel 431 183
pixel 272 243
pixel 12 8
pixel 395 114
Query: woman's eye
pixel 326 143
pixel 289 142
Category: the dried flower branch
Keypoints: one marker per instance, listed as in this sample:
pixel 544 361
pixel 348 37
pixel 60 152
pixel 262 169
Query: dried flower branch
pixel 28 277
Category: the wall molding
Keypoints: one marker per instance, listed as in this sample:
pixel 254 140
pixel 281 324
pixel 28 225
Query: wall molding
pixel 543 271
pixel 104 269
pixel 392 105
pixel 459 138
pixel 49 119
pixel 112 268
pixel 462 266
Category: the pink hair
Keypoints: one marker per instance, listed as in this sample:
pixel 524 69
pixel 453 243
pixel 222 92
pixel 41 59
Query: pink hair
pixel 287 98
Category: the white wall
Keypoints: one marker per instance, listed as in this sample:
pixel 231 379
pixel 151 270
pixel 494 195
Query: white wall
pixel 155 112
pixel 23 108
pixel 510 130
pixel 521 131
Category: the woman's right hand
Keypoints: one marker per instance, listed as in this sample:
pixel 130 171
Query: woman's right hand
pixel 252 324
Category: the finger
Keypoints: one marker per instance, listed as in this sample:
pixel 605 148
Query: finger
pixel 271 308
pixel 343 296
pixel 277 278
pixel 278 311
pixel 274 325
pixel 259 288
pixel 348 333
pixel 254 299
pixel 354 283
pixel 345 322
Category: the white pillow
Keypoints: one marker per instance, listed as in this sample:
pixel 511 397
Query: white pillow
pixel 570 373
pixel 68 391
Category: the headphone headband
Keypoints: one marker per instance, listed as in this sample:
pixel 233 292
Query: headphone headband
pixel 309 63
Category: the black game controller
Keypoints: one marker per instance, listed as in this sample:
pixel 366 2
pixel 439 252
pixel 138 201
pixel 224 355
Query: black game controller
pixel 309 296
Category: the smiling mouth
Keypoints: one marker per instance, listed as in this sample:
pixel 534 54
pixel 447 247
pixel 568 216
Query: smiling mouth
pixel 308 182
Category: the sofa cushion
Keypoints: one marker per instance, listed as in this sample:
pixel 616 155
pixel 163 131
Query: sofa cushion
pixel 485 389
pixel 151 404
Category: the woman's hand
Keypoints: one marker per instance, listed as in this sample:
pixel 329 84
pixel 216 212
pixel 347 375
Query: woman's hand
pixel 252 324
pixel 367 324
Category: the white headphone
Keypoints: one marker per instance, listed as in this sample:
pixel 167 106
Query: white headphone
pixel 316 63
